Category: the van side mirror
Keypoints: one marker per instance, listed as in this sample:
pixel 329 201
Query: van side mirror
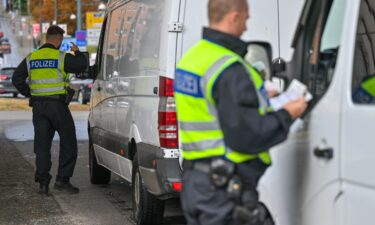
pixel 279 67
pixel 259 56
pixel 86 73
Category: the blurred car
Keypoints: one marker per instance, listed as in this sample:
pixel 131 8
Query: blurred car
pixel 6 85
pixel 4 39
pixel 82 88
pixel 5 47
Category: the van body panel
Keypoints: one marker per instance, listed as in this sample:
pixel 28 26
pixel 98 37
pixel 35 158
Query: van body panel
pixel 137 115
pixel 358 126
pixel 326 202
pixel 125 168
pixel 359 154
pixel 107 158
pixel 136 50
pixel 307 184
pixel 359 204
pixel 263 24
pixel 193 24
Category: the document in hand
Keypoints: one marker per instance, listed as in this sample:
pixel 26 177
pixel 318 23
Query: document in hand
pixel 295 90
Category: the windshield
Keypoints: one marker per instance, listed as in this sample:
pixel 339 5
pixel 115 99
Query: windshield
pixel 321 35
pixel 333 30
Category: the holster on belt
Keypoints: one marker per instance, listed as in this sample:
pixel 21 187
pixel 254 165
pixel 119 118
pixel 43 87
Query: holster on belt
pixel 69 95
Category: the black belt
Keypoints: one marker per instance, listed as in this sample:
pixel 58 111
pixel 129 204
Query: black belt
pixel 61 97
pixel 201 165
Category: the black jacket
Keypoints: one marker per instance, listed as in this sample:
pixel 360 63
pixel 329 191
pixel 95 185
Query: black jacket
pixel 237 104
pixel 73 64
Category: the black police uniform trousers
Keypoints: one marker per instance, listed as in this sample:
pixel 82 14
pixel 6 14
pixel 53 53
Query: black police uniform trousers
pixel 48 117
pixel 204 204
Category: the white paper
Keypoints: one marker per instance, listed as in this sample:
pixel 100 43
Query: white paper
pixel 295 90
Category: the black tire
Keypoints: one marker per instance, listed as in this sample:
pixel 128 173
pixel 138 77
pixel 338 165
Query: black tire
pixel 98 174
pixel 15 95
pixel 147 209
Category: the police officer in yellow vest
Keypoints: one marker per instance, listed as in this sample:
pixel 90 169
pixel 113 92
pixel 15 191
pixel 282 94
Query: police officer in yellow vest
pixel 47 71
pixel 365 93
pixel 225 123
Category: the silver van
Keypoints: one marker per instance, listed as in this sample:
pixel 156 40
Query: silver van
pixel 132 123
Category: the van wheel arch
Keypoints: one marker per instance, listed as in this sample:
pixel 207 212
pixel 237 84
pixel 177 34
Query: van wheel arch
pixel 98 173
pixel 132 146
pixel 147 209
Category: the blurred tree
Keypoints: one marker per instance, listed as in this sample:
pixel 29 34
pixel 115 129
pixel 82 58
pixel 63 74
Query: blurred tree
pixel 65 9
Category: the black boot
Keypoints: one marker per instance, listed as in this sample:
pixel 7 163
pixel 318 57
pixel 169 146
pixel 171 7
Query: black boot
pixel 43 189
pixel 66 187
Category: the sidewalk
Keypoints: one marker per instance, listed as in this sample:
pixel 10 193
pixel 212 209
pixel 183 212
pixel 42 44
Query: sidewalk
pixel 19 201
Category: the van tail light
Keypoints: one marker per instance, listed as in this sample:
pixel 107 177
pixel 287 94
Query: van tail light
pixel 166 87
pixel 177 186
pixel 3 77
pixel 167 117
pixel 89 85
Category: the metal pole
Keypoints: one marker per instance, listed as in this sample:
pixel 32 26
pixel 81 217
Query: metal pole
pixel 40 20
pixel 79 15
pixel 55 16
pixel 28 7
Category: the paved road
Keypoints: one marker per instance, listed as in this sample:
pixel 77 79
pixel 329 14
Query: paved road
pixel 19 202
pixel 97 205
pixel 17 54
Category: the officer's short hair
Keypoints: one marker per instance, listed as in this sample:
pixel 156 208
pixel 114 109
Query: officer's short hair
pixel 217 9
pixel 55 31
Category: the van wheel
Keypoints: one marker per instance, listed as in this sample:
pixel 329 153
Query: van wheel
pixel 15 95
pixel 147 209
pixel 98 174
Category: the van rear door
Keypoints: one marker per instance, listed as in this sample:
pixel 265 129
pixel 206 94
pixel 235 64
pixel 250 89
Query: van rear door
pixel 193 16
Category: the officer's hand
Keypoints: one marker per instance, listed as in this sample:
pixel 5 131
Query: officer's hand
pixel 74 47
pixel 272 93
pixel 296 108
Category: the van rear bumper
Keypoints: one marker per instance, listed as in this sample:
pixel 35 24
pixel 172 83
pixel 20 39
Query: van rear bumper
pixel 158 172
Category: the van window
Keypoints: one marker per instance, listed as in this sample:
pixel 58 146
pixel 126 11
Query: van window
pixel 140 39
pixel 113 42
pixel 99 55
pixel 323 45
pixel 363 81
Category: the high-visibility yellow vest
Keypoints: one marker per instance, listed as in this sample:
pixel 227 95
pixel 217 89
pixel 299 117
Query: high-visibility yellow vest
pixel 199 127
pixel 46 72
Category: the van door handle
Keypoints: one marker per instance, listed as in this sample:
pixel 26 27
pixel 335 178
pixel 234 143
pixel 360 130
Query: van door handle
pixel 326 153
pixel 99 88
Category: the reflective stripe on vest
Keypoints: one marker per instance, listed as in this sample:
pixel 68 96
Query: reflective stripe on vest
pixel 200 131
pixel 46 71
pixel 211 76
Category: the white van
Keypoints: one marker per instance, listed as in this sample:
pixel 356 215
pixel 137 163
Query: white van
pixel 323 173
pixel 320 175
pixel 132 124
